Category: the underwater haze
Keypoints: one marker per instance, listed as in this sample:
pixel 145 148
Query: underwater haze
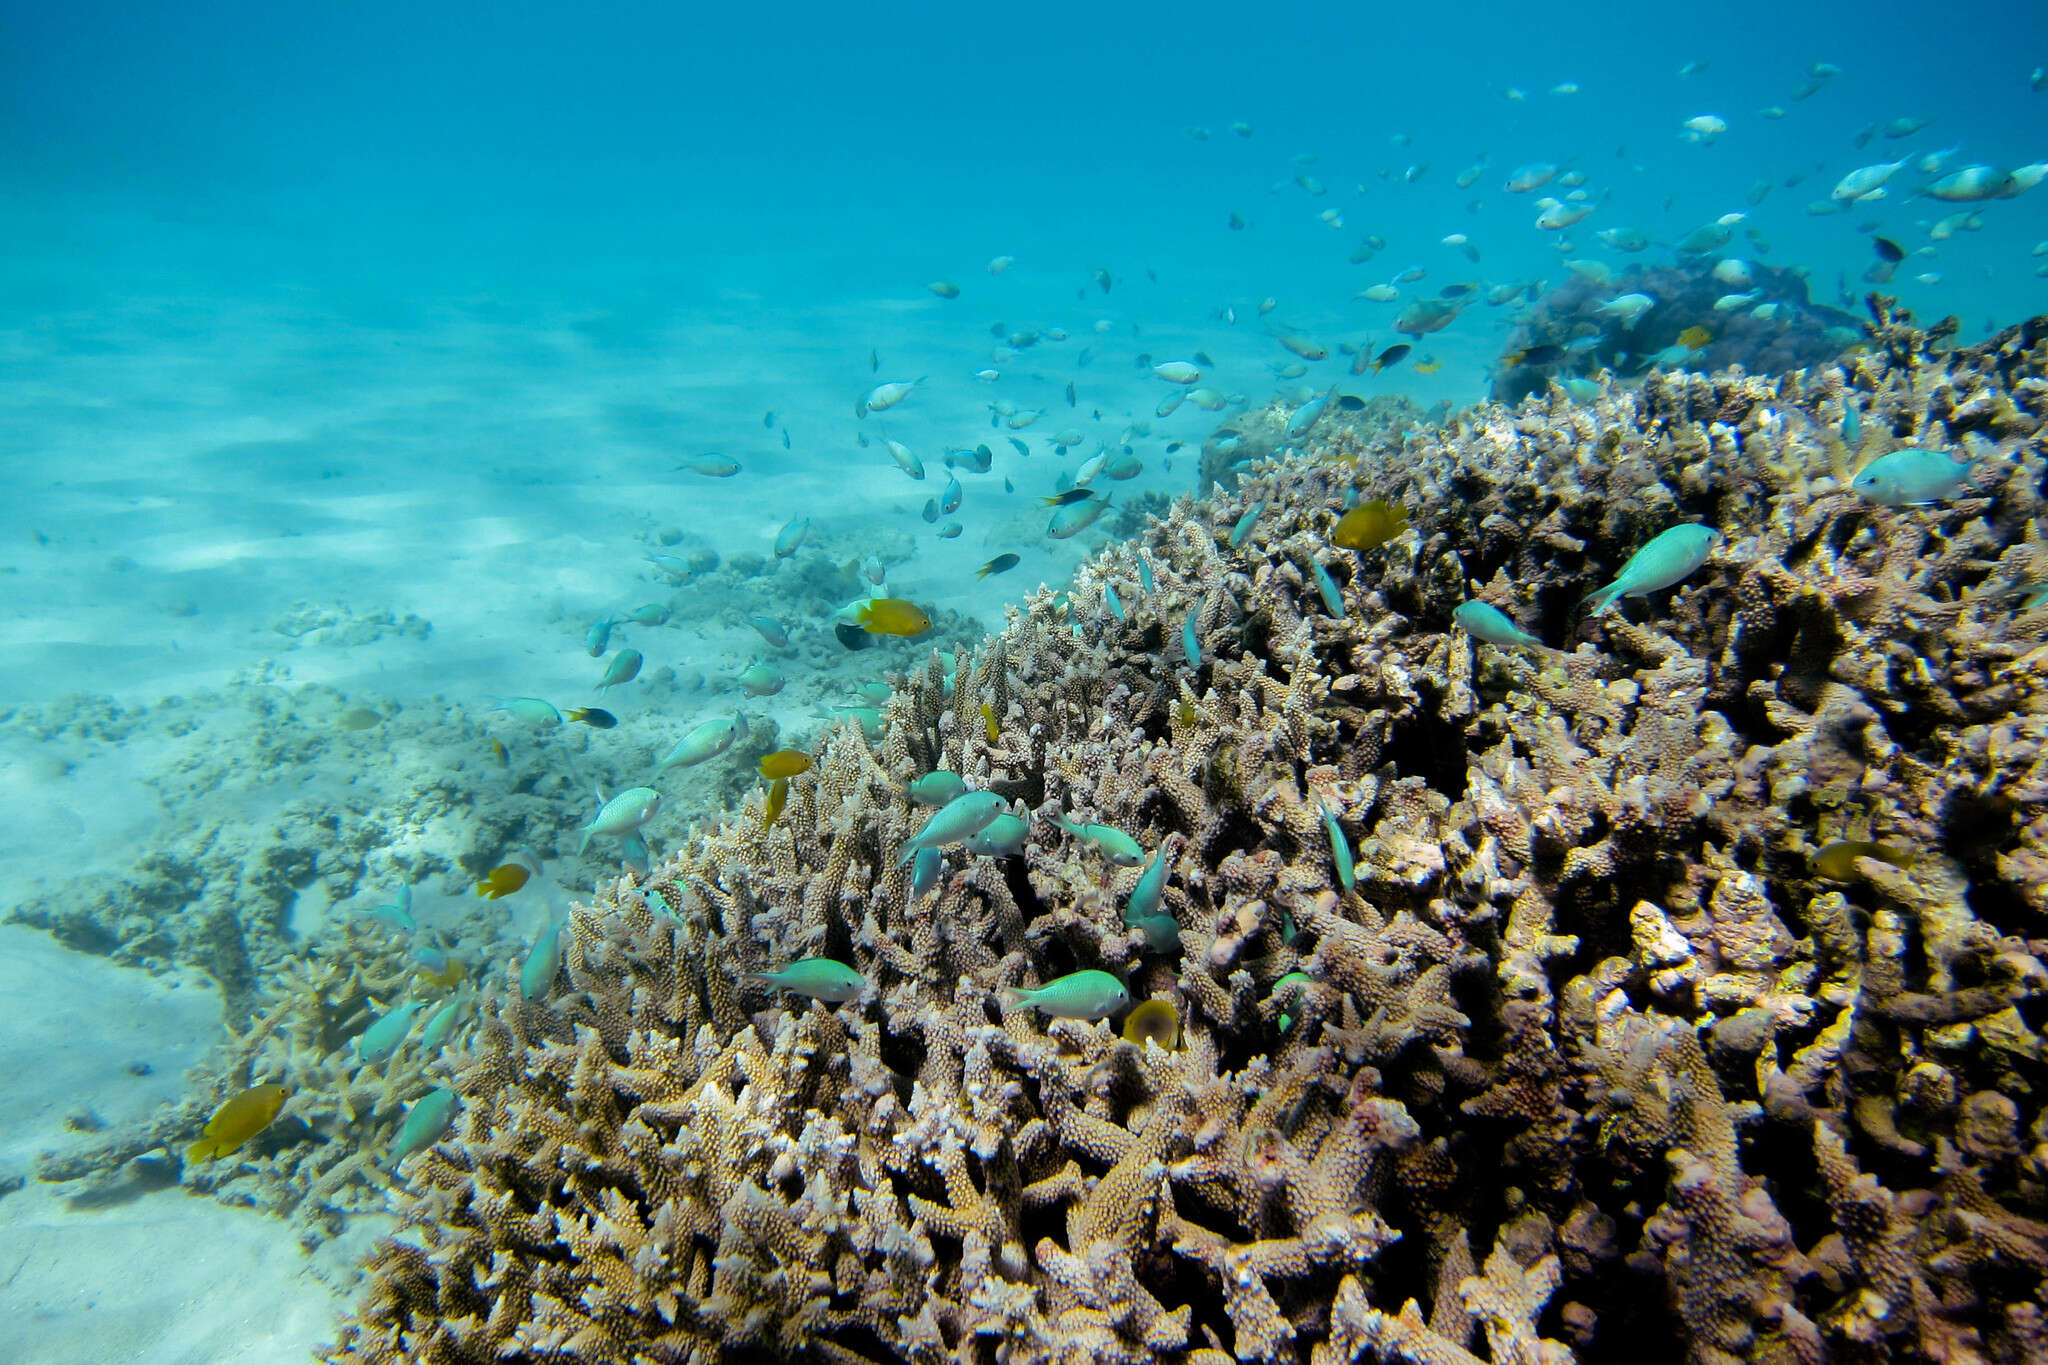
pixel 428 426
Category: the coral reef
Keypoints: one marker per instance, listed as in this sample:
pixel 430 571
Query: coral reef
pixel 1573 992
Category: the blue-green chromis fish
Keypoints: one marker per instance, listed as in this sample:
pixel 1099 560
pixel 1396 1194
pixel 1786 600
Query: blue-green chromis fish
pixel 937 788
pixel 708 740
pixel 924 871
pixel 1112 601
pixel 1160 932
pixel 1333 597
pixel 1305 416
pixel 653 614
pixel 791 536
pixel 1120 847
pixel 1340 850
pixel 770 630
pixel 761 679
pixel 599 637
pixel 1484 621
pixel 1078 995
pixel 624 667
pixel 430 1117
pixel 382 1038
pixel 398 913
pixel 623 814
pixel 537 974
pixel 874 694
pixel 1666 560
pixel 532 710
pixel 1290 990
pixel 820 978
pixel 1245 524
pixel 1143 902
pixel 1075 518
pixel 954 821
pixel 1912 478
pixel 440 1026
pixel 1191 643
pixel 1144 572
pixel 1852 426
pixel 1002 837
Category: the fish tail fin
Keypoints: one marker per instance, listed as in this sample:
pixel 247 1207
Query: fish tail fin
pixel 1599 600
pixel 203 1150
pixel 584 845
pixel 910 850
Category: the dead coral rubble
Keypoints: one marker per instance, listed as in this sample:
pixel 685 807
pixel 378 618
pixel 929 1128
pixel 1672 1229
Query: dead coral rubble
pixel 1587 1006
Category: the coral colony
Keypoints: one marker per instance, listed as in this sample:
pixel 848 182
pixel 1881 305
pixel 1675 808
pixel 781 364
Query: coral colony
pixel 1547 982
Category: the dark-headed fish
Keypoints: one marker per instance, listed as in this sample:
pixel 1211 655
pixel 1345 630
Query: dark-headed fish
pixel 1068 498
pixel 591 716
pixel 1393 355
pixel 1000 564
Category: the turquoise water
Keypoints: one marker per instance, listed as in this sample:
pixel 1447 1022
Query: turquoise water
pixel 317 321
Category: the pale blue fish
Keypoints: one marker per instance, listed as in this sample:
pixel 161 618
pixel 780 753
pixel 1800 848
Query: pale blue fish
pixel 1245 524
pixel 1112 601
pixel 924 871
pixel 1022 449
pixel 937 788
pixel 1340 849
pixel 1145 572
pixel 761 679
pixel 770 630
pixel 1190 642
pixel 1333 597
pixel 707 741
pixel 634 853
pixel 711 464
pixel 381 1039
pixel 951 496
pixel 953 822
pixel 653 614
pixel 623 814
pixel 1666 560
pixel 1852 425
pixel 1912 478
pixel 441 1025
pixel 1002 837
pixel 791 536
pixel 1119 847
pixel 874 693
pixel 1484 621
pixel 1078 995
pixel 398 913
pixel 820 978
pixel 674 564
pixel 537 974
pixel 1305 416
pixel 976 461
pixel 951 531
pixel 532 710
pixel 1143 902
pixel 599 637
pixel 430 1117
pixel 624 667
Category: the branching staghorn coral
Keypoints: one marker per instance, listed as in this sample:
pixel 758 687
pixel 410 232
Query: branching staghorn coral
pixel 1575 987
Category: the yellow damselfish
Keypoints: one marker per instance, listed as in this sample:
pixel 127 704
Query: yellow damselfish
pixel 503 880
pixel 785 763
pixel 778 796
pixel 1369 525
pixel 892 616
pixel 988 718
pixel 242 1117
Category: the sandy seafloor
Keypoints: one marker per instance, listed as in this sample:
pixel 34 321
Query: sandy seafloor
pixel 263 456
